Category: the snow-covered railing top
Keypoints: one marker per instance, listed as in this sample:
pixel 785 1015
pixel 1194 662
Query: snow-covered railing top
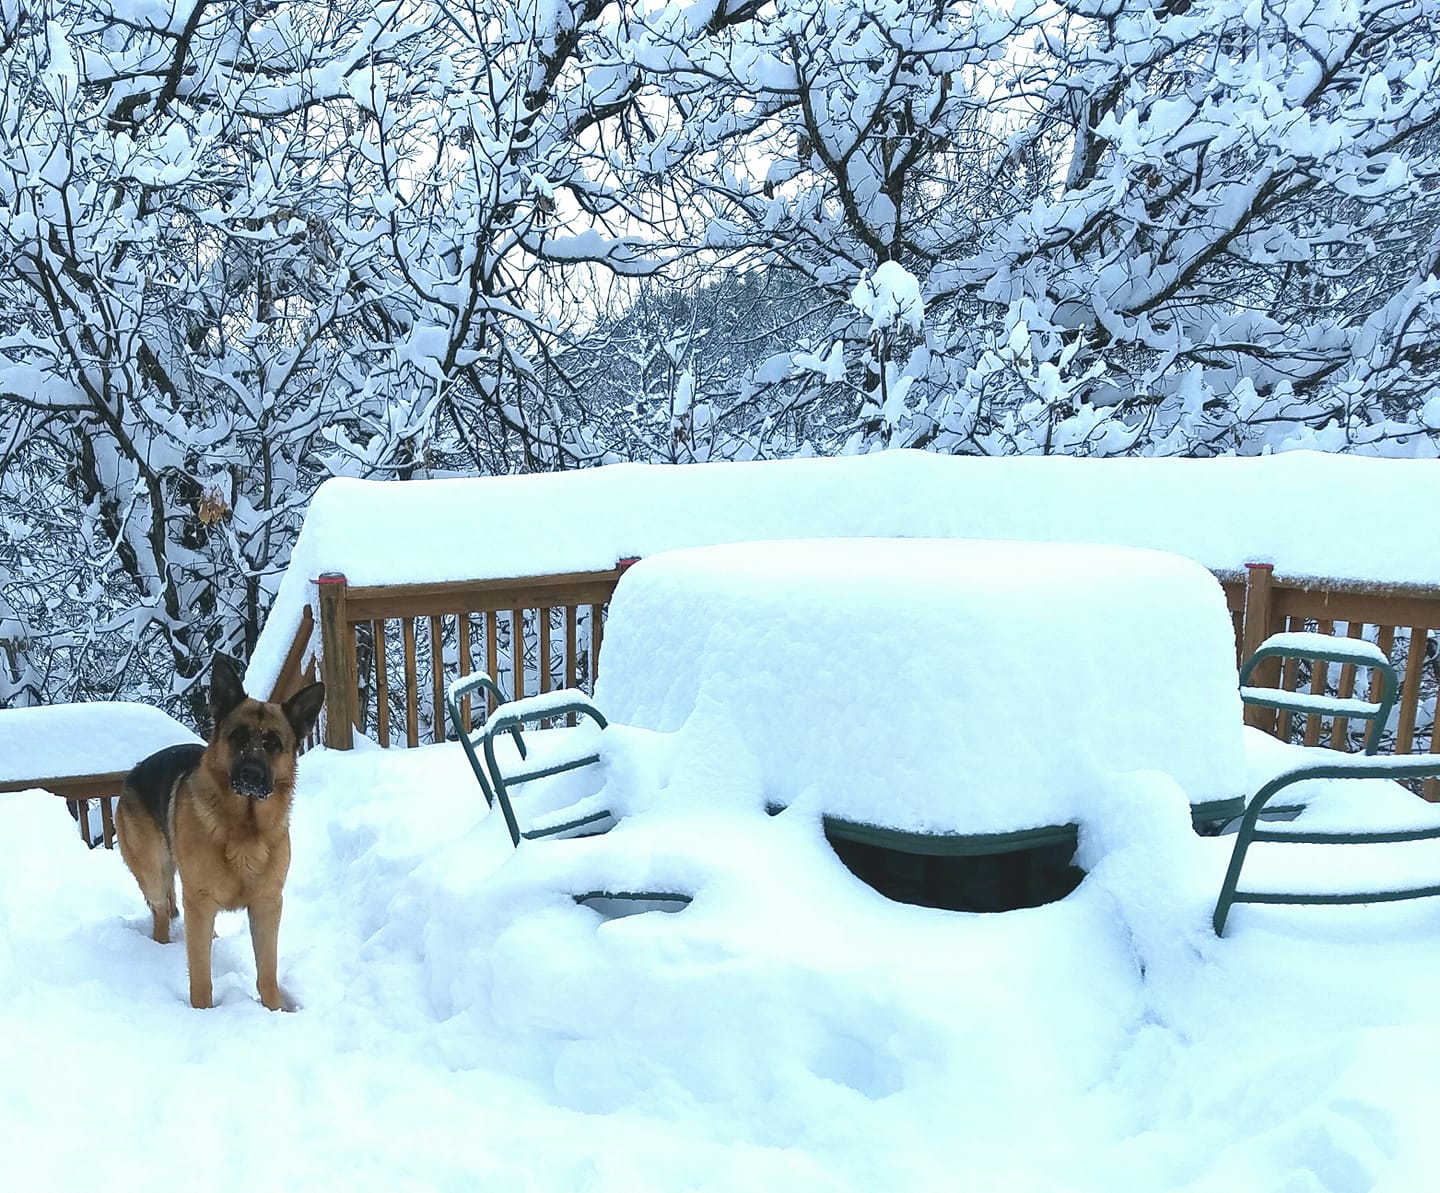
pixel 1378 523
pixel 62 745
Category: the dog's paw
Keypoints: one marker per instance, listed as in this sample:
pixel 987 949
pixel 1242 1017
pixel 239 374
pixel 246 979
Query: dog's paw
pixel 279 999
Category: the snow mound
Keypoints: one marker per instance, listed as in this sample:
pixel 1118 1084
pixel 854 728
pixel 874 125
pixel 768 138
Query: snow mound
pixel 925 684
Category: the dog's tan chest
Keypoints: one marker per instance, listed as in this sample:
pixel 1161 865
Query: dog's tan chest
pixel 247 859
pixel 231 864
pixel 240 873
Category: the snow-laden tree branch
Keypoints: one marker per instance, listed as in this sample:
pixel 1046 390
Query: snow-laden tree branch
pixel 244 247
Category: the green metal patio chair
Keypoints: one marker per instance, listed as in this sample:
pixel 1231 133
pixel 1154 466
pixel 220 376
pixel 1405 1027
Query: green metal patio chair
pixel 510 718
pixel 1344 766
pixel 1341 766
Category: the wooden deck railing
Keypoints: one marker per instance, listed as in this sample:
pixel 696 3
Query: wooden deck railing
pixel 389 651
pixel 1399 619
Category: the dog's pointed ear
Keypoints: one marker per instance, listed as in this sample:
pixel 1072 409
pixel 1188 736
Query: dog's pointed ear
pixel 227 689
pixel 302 709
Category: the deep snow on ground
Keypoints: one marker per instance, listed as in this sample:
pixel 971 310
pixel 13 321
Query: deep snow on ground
pixel 464 1024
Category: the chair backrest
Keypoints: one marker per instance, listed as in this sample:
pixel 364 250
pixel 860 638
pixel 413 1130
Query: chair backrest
pixel 470 738
pixel 510 718
pixel 1323 647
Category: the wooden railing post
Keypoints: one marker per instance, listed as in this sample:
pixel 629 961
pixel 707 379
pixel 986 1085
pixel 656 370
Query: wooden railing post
pixel 336 667
pixel 1256 630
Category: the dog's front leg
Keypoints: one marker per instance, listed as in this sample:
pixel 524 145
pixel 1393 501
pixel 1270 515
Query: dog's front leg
pixel 199 928
pixel 265 937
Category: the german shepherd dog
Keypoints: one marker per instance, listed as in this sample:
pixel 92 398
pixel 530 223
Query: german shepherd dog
pixel 220 815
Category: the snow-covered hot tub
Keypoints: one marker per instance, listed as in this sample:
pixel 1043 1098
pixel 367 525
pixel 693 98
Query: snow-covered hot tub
pixel 956 688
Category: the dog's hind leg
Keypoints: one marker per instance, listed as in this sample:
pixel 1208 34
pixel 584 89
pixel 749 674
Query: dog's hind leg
pixel 143 847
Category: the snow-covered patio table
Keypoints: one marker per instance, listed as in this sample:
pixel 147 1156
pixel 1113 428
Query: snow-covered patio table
pixel 939 689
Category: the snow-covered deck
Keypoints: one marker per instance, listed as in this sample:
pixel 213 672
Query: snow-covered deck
pixel 790 1029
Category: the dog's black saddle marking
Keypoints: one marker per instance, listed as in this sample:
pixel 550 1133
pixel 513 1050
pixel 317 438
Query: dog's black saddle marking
pixel 155 778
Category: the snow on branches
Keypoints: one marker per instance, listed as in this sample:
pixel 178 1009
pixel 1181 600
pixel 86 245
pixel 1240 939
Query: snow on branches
pixel 246 247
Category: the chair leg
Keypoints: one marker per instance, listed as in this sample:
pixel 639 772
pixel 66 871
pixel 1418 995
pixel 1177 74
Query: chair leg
pixel 1232 875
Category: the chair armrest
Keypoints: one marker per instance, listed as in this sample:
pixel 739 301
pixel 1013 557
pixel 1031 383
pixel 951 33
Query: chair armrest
pixel 1346 766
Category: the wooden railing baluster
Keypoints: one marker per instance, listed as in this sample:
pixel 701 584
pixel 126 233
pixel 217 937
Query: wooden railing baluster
pixel 572 614
pixel 1319 674
pixel 492 653
pixel 437 679
pixel 1344 689
pixel 462 639
pixel 1410 691
pixel 597 630
pixel 382 685
pixel 412 711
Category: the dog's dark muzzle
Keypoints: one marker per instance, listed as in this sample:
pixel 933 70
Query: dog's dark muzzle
pixel 250 776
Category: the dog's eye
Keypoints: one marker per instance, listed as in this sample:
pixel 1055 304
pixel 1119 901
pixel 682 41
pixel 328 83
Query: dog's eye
pixel 271 741
pixel 239 739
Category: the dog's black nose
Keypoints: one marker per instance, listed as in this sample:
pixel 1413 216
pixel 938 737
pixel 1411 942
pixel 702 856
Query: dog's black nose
pixel 251 777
